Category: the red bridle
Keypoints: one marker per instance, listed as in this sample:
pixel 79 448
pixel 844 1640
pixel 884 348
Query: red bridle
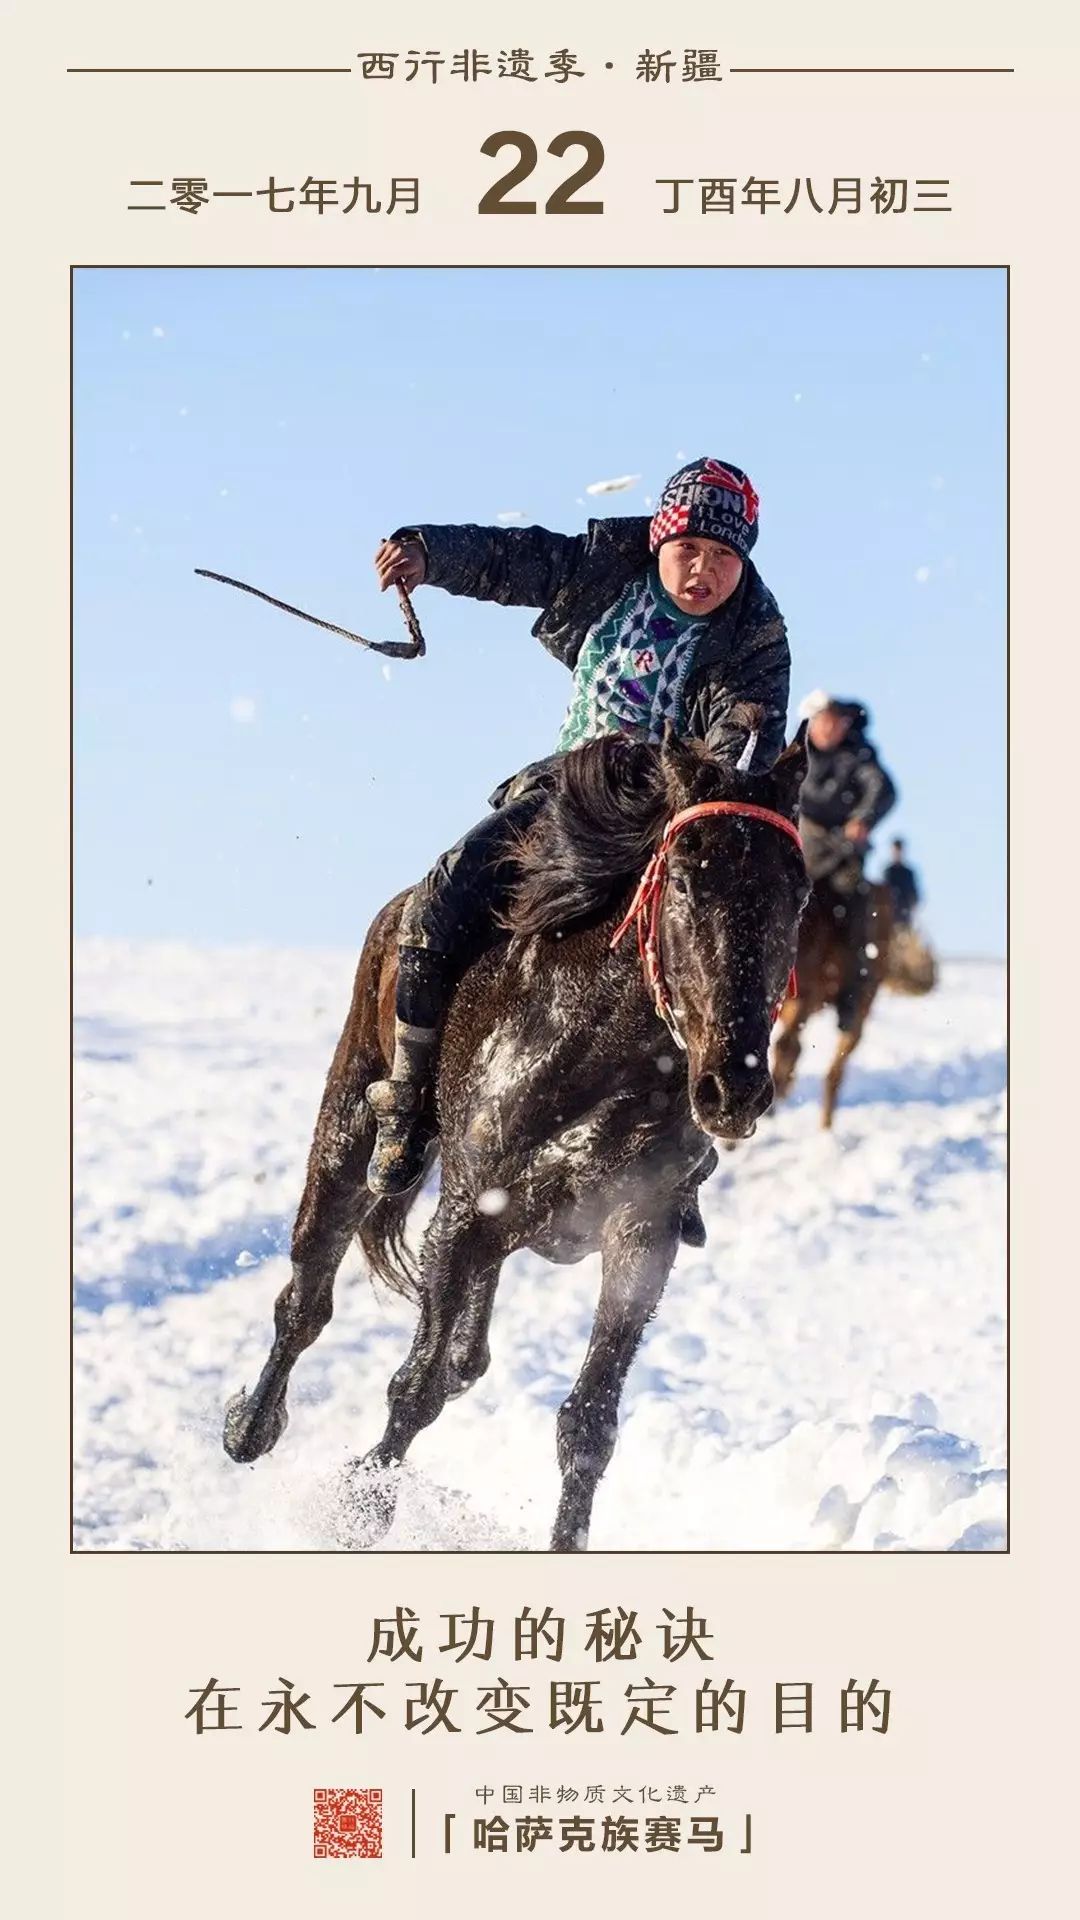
pixel 648 901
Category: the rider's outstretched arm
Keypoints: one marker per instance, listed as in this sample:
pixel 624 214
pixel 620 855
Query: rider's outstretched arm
pixel 515 566
pixel 877 793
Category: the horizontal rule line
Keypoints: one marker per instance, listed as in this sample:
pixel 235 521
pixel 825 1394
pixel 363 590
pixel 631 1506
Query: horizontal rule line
pixel 209 69
pixel 872 69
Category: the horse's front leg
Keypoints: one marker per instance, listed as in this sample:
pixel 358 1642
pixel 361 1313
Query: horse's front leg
pixel 847 1041
pixel 470 1356
pixel 638 1253
pixel 460 1272
pixel 788 1046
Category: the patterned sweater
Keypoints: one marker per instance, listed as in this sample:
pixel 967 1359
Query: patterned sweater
pixel 630 673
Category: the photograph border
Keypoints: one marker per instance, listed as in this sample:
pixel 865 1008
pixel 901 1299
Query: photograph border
pixel 773 267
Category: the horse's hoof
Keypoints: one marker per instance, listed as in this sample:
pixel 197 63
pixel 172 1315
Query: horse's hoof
pixel 692 1227
pixel 464 1370
pixel 245 1438
pixel 369 1495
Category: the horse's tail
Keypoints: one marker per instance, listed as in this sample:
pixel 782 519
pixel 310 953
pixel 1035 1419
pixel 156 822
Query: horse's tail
pixel 912 966
pixel 381 1237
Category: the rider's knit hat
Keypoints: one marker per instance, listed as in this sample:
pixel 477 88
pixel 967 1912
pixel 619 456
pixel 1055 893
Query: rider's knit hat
pixel 819 701
pixel 710 499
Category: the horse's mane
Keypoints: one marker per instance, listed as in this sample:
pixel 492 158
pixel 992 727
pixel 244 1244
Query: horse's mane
pixel 594 834
pixel 610 803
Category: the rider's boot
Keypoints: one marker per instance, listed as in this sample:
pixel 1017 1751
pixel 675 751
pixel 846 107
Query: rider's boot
pixel 404 1105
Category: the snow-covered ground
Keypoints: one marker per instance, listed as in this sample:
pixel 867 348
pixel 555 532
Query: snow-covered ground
pixel 829 1373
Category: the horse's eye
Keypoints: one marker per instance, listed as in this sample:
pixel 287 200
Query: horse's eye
pixel 679 883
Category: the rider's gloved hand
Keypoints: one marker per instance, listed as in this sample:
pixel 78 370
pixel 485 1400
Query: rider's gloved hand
pixel 858 831
pixel 401 562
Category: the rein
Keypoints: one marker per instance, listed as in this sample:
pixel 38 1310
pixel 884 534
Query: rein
pixel 647 904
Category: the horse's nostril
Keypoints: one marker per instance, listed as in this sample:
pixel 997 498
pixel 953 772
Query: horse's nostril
pixel 707 1094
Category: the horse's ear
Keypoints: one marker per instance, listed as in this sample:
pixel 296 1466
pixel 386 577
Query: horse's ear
pixel 680 762
pixel 790 771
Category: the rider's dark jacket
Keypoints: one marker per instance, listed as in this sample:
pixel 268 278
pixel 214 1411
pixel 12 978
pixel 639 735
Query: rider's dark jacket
pixel 902 884
pixel 848 783
pixel 742 655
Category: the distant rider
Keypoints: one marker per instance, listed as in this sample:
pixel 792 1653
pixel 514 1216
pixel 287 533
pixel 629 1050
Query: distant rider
pixel 661 621
pixel 846 793
pixel 902 884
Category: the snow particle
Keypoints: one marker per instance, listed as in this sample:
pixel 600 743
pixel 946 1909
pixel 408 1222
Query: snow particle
pixel 158 333
pixel 870 950
pixel 386 671
pixel 493 1201
pixel 223 493
pixel 665 1063
pixel 620 485
pixel 796 397
pixel 184 411
pixel 922 575
pixel 246 1259
pixel 750 1060
pixel 508 514
pixel 242 709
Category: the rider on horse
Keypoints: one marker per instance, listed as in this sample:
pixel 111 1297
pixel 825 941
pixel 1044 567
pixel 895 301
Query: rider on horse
pixel 663 622
pixel 900 879
pixel 846 793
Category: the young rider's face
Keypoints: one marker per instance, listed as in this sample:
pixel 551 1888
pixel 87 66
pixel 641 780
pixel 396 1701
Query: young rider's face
pixel 698 574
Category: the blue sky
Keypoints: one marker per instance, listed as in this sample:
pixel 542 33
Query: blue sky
pixel 241 777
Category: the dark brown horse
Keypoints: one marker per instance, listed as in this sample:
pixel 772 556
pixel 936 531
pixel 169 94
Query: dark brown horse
pixel 570 1119
pixel 834 969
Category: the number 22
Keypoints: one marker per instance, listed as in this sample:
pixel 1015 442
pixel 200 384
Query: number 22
pixel 562 200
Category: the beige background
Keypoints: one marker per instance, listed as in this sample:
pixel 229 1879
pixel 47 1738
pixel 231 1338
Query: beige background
pixel 962 1802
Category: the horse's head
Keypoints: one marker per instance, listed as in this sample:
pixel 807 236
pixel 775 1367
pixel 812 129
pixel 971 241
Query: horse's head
pixel 736 886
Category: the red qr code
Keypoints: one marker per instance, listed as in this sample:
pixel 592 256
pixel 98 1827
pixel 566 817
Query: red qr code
pixel 348 1823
